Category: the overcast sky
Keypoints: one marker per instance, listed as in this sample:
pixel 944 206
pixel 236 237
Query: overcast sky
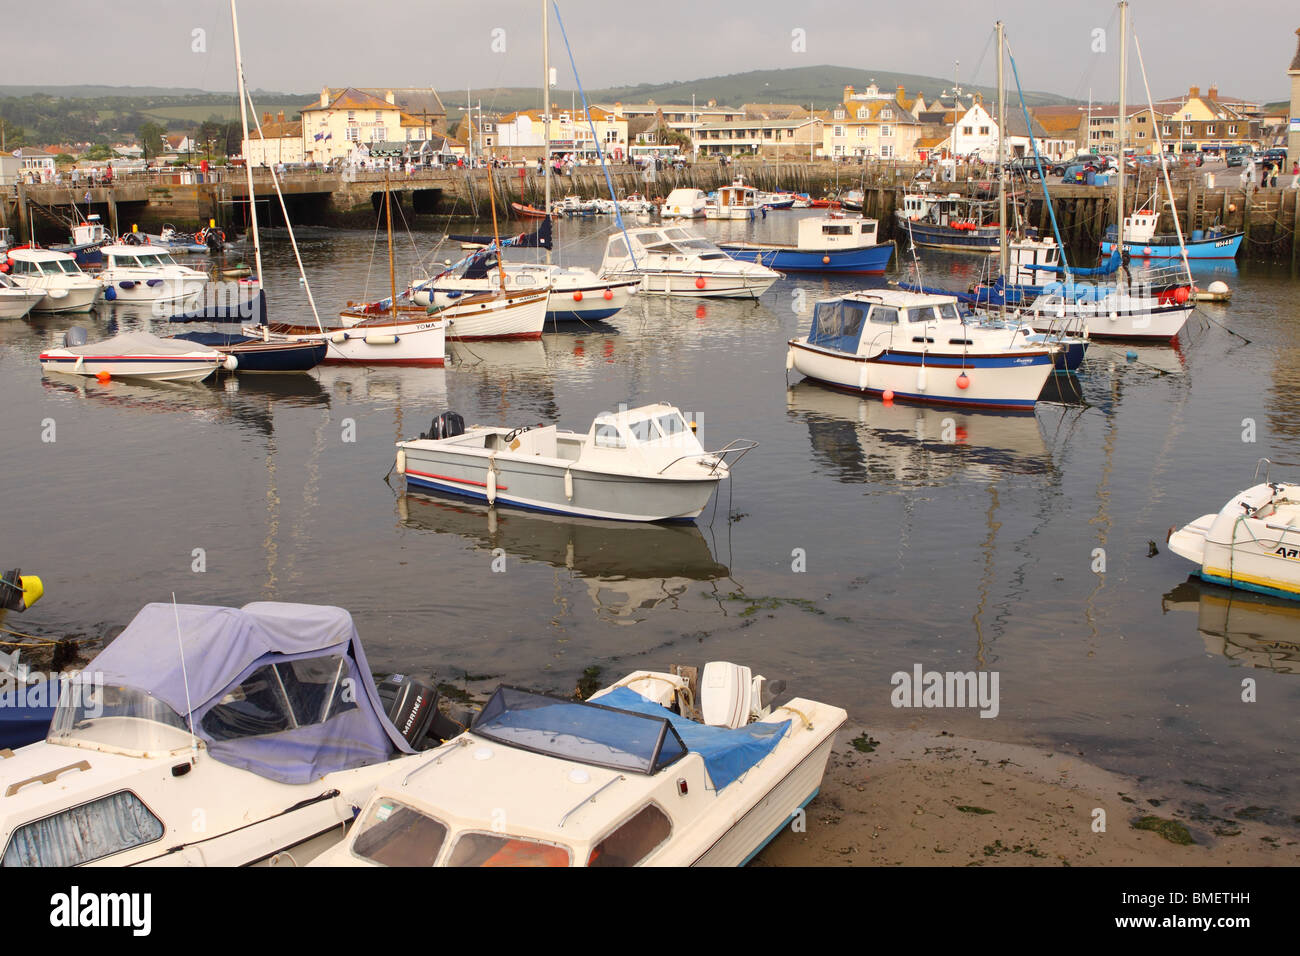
pixel 300 46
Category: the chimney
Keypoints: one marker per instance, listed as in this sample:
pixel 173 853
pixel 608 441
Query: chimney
pixel 1214 92
pixel 389 99
pixel 280 118
pixel 266 118
pixel 1193 92
pixel 324 97
pixel 902 91
pixel 848 93
pixel 712 103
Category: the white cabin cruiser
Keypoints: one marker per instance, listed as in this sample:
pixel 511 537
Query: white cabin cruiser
pixel 15 301
pixel 266 717
pixel 146 274
pixel 671 260
pixel 136 355
pixel 1252 543
pixel 640 464
pixel 57 274
pixel 917 347
pixel 733 202
pixel 1126 312
pixel 684 204
pixel 627 778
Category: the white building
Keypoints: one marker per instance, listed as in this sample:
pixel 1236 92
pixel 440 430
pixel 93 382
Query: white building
pixel 339 120
pixel 975 133
pixel 278 142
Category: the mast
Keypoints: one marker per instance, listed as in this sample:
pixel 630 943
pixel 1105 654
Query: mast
pixel 388 213
pixel 546 114
pixel 1002 165
pixel 243 119
pixel 1123 80
pixel 496 236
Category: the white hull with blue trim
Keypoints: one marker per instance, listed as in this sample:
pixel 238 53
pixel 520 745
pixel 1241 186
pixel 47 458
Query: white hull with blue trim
pixel 916 347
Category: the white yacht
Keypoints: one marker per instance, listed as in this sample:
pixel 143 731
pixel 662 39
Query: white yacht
pixel 15 301
pixel 736 201
pixel 684 204
pixel 57 274
pixel 671 260
pixel 639 775
pixel 134 274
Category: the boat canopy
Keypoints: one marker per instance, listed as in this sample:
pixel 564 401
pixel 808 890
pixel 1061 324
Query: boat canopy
pixel 1111 265
pixel 281 690
pixel 837 324
pixel 136 343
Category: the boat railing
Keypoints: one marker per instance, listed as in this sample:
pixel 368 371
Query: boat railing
pixel 591 799
pixel 740 447
pixel 1267 471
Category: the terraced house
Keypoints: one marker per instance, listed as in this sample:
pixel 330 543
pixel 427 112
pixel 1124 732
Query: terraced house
pixel 868 125
pixel 334 125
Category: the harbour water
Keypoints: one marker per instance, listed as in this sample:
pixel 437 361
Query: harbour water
pixel 857 541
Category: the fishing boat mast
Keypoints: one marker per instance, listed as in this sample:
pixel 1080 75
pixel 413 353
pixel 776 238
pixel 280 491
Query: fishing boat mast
pixel 243 119
pixel 1002 168
pixel 1122 170
pixel 546 114
pixel 388 214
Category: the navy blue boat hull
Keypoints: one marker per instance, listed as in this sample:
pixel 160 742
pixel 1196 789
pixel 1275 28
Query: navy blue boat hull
pixel 20 726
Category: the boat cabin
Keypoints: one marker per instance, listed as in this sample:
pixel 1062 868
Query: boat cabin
pixel 136 257
pixel 858 321
pixel 39 262
pixel 828 233
pixel 90 232
pixel 673 243
pixel 737 195
pixel 1023 253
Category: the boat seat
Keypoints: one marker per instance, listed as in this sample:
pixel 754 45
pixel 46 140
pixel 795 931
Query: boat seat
pixel 538 441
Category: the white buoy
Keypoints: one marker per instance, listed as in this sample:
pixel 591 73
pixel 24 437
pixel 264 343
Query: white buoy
pixel 920 379
pixel 1218 287
pixel 492 485
pixel 338 338
pixel 231 363
pixel 401 461
pixel 789 359
pixel 568 484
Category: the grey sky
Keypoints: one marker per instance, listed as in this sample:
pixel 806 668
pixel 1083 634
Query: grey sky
pixel 300 46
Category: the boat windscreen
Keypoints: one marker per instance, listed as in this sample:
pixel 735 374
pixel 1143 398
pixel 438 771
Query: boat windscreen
pixel 583 732
pixel 837 325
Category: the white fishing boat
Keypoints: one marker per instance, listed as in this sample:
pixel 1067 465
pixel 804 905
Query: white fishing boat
pixel 734 202
pixel 266 717
pixel 136 355
pixel 684 204
pixel 1252 543
pixel 631 777
pixel 134 274
pixel 917 347
pixel 673 261
pixel 57 274
pixel 15 301
pixel 640 464
pixel 1127 312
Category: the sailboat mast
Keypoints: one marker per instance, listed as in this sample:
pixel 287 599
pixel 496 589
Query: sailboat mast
pixel 1002 165
pixel 243 119
pixel 388 213
pixel 1123 80
pixel 546 112
pixel 496 235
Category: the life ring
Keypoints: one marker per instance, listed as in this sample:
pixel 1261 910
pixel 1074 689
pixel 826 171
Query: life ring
pixel 200 236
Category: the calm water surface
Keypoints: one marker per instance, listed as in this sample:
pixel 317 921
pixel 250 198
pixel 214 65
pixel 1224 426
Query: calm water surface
pixel 949 539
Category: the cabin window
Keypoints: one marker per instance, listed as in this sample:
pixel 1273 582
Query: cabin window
pixel 618 249
pixel 607 436
pixel 844 230
pixel 634 840
pixel 491 849
pixel 644 430
pixel 948 311
pixel 671 425
pixel 279 697
pixel 82 834
pixel 394 834
pixel 884 315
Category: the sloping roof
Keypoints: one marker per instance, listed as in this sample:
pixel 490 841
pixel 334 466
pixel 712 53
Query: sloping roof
pixel 929 142
pixel 353 99
pixel 413 100
pixel 284 130
pixel 775 111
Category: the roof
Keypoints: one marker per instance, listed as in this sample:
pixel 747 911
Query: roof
pixel 929 142
pixel 873 109
pixel 285 130
pixel 352 99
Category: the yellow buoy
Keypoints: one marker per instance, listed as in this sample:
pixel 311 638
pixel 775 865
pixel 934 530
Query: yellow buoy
pixel 32 589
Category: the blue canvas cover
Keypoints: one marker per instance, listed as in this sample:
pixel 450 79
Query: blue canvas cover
pixel 324 727
pixel 727 753
pixel 837 325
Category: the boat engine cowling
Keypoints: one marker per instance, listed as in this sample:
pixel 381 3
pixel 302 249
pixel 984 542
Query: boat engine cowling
pixel 446 425
pixel 412 706
pixel 731 696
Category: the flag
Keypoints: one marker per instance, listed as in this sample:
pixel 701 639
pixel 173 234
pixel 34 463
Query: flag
pixel 319 137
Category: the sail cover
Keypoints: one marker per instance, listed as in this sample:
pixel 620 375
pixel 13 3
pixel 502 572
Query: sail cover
pixel 281 690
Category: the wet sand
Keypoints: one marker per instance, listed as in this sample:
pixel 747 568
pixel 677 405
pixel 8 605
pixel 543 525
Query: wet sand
pixel 927 798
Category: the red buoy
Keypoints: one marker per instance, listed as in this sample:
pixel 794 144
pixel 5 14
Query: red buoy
pixel 577 296
pixel 887 396
pixel 826 260
pixel 609 294
pixel 699 283
pixel 1181 294
pixel 103 375
pixel 963 381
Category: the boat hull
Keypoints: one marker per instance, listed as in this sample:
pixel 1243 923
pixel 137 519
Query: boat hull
pixel 1011 382
pixel 256 356
pixel 716 285
pixel 161 368
pixel 399 343
pixel 540 486
pixel 1222 247
pixel 869 260
pixel 930 236
pixel 1236 549
pixel 1134 323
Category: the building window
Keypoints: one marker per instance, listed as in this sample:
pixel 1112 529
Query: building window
pixel 1187 129
pixel 1141 134
pixel 886 131
pixel 839 114
pixel 1142 119
pixel 887 114
pixel 967 130
pixel 862 112
pixel 1232 131
pixel 1164 131
pixel 1209 131
pixel 837 131
pixel 354 133
pixel 886 151
pixel 378 116
pixel 984 130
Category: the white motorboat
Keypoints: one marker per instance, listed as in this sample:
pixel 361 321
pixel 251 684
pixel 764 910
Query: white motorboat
pixel 1252 543
pixel 134 274
pixel 57 274
pixel 1111 312
pixel 137 355
pixel 405 336
pixel 684 204
pixel 733 202
pixel 917 347
pixel 15 301
pixel 640 464
pixel 627 778
pixel 213 736
pixel 671 260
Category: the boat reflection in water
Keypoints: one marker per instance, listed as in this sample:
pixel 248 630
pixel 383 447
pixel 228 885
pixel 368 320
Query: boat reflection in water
pixel 628 567
pixel 1250 629
pixel 861 439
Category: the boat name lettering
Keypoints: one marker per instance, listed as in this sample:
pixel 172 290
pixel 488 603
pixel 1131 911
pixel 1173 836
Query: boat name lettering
pixel 1286 552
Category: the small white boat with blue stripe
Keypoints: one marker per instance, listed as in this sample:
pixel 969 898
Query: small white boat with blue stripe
pixel 919 347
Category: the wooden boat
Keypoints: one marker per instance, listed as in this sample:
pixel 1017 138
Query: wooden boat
pixel 641 464
pixel 525 211
pixel 639 775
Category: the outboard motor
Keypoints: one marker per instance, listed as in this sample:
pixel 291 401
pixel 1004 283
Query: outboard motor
pixel 731 696
pixel 446 425
pixel 212 241
pixel 74 337
pixel 412 706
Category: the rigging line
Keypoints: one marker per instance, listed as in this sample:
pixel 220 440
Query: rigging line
pixel 1038 162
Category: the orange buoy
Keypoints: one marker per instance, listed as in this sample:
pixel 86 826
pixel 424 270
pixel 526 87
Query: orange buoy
pixel 887 396
pixel 102 375
pixel 963 381
pixel 609 294
pixel 699 283
pixel 577 296
pixel 1181 294
pixel 826 260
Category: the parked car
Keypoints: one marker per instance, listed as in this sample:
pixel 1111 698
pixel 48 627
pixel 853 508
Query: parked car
pixel 1238 155
pixel 1275 155
pixel 1083 159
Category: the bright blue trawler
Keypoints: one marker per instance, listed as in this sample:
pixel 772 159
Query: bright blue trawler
pixel 826 244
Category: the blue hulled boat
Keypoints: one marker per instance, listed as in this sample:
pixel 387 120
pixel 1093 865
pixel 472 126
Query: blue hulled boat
pixel 1144 243
pixel 826 244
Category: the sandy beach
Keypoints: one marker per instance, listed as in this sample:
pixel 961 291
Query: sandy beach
pixel 927 798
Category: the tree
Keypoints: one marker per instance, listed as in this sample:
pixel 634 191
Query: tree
pixel 99 152
pixel 151 138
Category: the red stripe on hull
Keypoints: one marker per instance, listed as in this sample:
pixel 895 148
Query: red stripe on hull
pixel 455 481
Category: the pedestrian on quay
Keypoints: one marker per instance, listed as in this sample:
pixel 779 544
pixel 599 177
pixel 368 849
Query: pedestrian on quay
pixel 1277 167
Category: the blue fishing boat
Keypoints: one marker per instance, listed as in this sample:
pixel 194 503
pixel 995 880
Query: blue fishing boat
pixel 826 244
pixel 1143 242
pixel 953 222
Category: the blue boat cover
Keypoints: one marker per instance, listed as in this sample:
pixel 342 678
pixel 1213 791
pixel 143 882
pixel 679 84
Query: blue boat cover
pixel 1111 265
pixel 837 325
pixel 727 753
pixel 253 703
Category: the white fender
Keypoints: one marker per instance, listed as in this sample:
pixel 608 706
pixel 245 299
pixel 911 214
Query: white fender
pixel 568 484
pixel 401 462
pixel 231 363
pixel 862 376
pixel 789 359
pixel 920 379
pixel 492 483
pixel 381 339
pixel 338 338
